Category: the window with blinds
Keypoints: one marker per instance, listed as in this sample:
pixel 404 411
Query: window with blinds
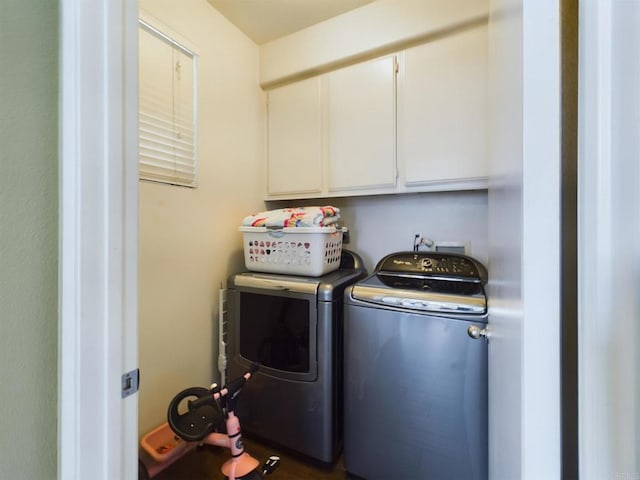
pixel 167 113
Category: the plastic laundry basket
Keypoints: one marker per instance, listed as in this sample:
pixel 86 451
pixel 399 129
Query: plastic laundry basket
pixel 309 251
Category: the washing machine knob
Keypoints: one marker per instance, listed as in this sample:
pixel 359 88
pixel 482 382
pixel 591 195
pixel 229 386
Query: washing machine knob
pixel 477 332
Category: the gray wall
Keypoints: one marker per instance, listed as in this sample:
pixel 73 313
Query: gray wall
pixel 384 224
pixel 28 238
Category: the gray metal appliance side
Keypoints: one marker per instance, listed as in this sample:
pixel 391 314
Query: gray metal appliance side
pixel 303 416
pixel 415 395
pixel 332 285
pixel 298 415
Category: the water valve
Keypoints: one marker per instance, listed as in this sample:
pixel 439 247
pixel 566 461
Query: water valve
pixel 421 243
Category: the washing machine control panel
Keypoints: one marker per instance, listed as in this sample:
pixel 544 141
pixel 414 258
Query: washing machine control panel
pixel 431 263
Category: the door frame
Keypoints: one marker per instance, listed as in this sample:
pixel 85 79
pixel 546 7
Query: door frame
pixel 524 208
pixel 97 428
pixel 609 240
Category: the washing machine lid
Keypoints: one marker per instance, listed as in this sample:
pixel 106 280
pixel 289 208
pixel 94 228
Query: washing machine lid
pixel 426 281
pixel 436 265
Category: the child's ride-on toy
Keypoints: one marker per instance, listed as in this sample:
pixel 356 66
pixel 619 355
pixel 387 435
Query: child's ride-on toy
pixel 195 413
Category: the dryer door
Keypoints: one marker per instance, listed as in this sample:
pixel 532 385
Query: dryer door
pixel 276 329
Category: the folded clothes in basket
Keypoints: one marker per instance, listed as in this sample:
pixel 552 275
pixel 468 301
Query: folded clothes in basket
pixel 294 217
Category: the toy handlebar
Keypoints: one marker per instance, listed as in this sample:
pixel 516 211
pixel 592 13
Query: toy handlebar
pixel 230 391
pixel 205 413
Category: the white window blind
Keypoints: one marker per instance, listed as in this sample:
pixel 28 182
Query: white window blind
pixel 167 113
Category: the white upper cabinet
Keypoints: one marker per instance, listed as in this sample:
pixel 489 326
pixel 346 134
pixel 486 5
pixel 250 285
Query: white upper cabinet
pixel 361 151
pixel 411 122
pixel 294 143
pixel 442 112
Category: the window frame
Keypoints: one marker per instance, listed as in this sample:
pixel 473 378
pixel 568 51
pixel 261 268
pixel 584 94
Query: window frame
pixel 174 41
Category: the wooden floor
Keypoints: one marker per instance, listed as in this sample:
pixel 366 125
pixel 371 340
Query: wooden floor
pixel 204 463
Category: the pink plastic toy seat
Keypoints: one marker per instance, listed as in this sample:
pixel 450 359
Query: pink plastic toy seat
pixel 162 444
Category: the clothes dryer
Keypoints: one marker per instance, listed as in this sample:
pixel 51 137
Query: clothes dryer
pixel 292 327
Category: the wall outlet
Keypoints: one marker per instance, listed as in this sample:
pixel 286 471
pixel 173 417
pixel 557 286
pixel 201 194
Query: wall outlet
pixel 461 248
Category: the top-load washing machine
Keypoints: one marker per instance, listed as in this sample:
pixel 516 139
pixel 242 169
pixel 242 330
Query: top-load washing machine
pixel 416 370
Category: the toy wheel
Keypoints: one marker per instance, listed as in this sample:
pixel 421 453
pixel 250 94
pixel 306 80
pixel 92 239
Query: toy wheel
pixel 193 424
pixel 252 475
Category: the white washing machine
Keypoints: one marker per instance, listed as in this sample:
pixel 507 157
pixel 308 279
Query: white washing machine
pixel 416 370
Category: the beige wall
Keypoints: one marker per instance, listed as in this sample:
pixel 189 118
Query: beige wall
pixel 189 241
pixel 28 238
pixel 383 26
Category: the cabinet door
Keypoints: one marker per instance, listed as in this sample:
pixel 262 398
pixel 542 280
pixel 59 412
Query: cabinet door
pixel 442 109
pixel 294 139
pixel 361 126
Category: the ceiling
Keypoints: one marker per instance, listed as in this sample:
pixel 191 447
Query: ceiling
pixel 266 20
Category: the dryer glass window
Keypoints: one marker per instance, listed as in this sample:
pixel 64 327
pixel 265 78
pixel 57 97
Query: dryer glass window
pixel 274 331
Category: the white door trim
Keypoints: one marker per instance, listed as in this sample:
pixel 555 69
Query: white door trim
pixel 594 149
pixel 97 429
pixel 524 240
pixel 609 240
pixel 542 212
